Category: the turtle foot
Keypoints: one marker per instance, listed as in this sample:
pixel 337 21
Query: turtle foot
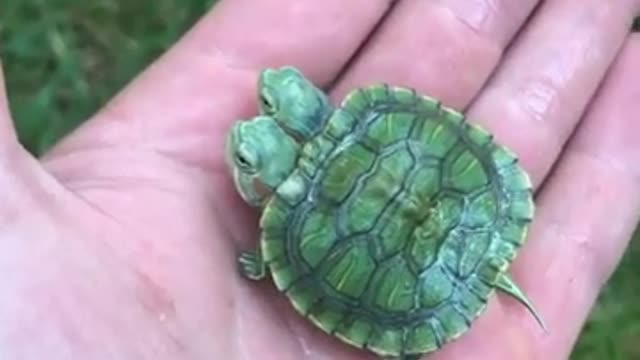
pixel 251 265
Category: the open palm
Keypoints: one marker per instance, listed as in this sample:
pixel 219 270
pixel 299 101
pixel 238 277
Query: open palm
pixel 121 242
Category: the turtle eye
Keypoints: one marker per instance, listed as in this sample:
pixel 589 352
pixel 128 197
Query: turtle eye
pixel 242 161
pixel 245 161
pixel 267 105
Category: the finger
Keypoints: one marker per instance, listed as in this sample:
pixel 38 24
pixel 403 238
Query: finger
pixel 587 212
pixel 183 103
pixel 591 207
pixel 537 96
pixel 445 48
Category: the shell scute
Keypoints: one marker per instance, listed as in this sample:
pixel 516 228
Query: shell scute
pixel 328 318
pixel 294 188
pixel 357 103
pixel 429 106
pixel 453 322
pixel 521 205
pixel 436 137
pixel 476 246
pixel 378 187
pixel 481 211
pixel 272 249
pixel 397 223
pixel 405 96
pixel 470 301
pixel 341 123
pixel 317 237
pixel 350 271
pixel 388 129
pixel 427 182
pixel 274 219
pixel 478 136
pixel 514 178
pixel 421 339
pixel 513 231
pixel 451 249
pixel 465 172
pixel 393 286
pixel 388 341
pixel 284 276
pixel 378 93
pixel 453 117
pixel 477 285
pixel 489 270
pixel 435 288
pixel 504 249
pixel 501 157
pixel 303 297
pixel 355 331
pixel 314 153
pixel 343 171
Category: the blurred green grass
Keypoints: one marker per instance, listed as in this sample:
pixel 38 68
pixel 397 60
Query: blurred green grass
pixel 64 58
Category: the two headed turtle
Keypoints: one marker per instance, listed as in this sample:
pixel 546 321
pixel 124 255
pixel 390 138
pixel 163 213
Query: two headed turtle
pixel 388 221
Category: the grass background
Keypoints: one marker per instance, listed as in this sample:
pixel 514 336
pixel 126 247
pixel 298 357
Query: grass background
pixel 64 58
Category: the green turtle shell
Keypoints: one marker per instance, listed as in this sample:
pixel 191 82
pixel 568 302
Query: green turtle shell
pixel 396 222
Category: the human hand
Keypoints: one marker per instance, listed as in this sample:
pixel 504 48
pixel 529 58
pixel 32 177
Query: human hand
pixel 122 241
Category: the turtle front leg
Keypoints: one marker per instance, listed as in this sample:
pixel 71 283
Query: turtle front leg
pixel 251 264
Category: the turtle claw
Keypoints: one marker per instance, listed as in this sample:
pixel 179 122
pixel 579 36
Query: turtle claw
pixel 251 265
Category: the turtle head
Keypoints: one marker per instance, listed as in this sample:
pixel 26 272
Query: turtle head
pixel 290 98
pixel 260 155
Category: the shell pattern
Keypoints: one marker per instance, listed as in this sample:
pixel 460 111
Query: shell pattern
pixel 396 223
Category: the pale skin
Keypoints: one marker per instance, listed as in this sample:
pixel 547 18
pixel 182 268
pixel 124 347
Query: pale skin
pixel 121 242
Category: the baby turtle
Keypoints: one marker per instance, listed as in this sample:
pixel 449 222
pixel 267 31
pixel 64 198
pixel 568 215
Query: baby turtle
pixel 388 221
